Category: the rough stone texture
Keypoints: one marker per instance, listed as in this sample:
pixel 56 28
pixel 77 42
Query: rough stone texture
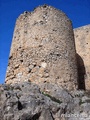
pixel 43 54
pixel 26 101
pixel 43 49
pixel 82 41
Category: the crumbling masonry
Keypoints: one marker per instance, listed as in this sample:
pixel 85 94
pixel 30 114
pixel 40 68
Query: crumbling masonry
pixel 43 49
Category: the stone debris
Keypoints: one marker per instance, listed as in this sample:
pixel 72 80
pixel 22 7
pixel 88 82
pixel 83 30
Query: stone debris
pixel 28 101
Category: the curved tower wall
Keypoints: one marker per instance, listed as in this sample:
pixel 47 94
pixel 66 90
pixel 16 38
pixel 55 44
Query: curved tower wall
pixel 43 49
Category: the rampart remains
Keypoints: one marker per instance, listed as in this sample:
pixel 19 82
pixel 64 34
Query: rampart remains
pixel 82 41
pixel 43 49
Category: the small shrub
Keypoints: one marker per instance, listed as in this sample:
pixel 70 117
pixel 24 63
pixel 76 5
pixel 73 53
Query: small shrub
pixel 52 98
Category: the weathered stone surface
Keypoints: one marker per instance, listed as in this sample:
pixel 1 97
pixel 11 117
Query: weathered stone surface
pixel 43 49
pixel 82 41
pixel 43 54
pixel 27 101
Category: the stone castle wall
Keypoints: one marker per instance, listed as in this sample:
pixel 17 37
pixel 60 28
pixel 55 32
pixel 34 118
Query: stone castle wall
pixel 43 49
pixel 82 41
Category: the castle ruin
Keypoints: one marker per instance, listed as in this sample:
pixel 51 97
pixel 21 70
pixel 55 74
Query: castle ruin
pixel 82 41
pixel 43 49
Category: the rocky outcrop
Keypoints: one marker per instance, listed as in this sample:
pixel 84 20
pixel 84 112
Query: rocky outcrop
pixel 82 41
pixel 27 101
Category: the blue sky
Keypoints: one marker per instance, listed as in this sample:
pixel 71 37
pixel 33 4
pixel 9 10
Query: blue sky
pixel 77 10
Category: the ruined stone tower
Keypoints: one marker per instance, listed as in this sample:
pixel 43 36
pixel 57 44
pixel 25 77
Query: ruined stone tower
pixel 43 49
